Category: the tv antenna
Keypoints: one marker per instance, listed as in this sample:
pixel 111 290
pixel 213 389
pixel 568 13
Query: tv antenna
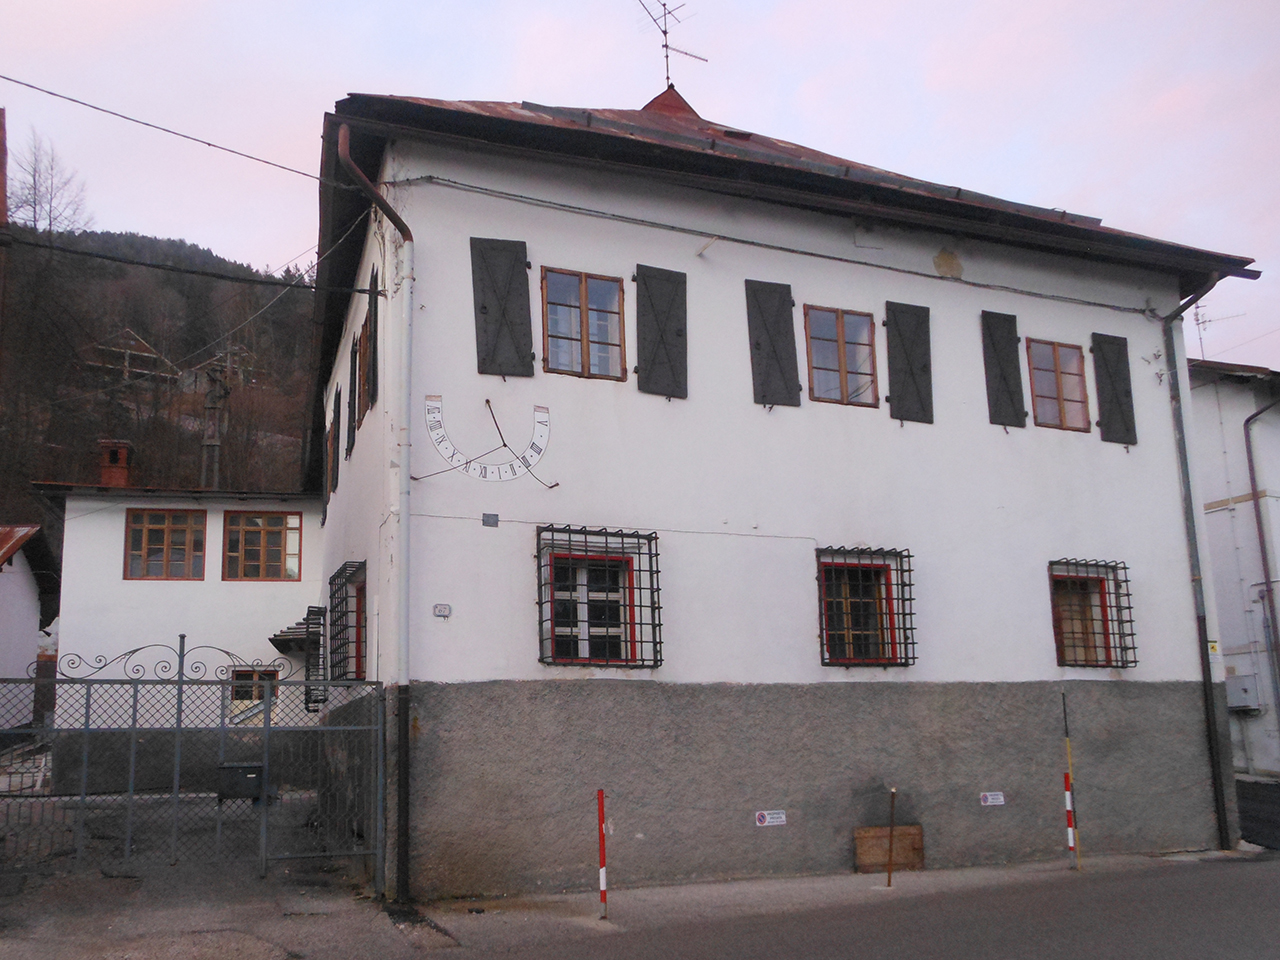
pixel 660 20
pixel 1202 321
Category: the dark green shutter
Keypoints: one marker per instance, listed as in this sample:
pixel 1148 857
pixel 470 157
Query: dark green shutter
pixel 1000 358
pixel 1115 392
pixel 353 388
pixel 336 438
pixel 500 283
pixel 661 314
pixel 774 375
pixel 372 373
pixel 910 372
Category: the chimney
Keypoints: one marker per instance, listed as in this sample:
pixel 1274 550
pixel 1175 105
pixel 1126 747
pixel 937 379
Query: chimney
pixel 116 463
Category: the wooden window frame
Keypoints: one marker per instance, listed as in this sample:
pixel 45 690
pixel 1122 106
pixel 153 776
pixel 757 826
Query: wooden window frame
pixel 581 595
pixel 284 556
pixel 1060 398
pixel 894 602
pixel 584 326
pixel 843 363
pixel 167 526
pixel 1110 623
pixel 248 684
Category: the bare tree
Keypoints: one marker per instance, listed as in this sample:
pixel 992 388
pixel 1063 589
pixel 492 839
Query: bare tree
pixel 43 194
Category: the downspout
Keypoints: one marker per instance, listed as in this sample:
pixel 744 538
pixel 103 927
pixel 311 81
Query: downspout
pixel 402 520
pixel 1193 554
pixel 1267 587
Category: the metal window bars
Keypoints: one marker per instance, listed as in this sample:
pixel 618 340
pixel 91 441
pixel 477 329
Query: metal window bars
pixel 344 631
pixel 598 597
pixel 865 607
pixel 1092 613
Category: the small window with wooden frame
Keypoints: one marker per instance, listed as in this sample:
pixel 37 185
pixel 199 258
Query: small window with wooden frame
pixel 1092 613
pixel 250 684
pixel 164 545
pixel 842 356
pixel 1058 393
pixel 582 333
pixel 598 597
pixel 865 599
pixel 261 546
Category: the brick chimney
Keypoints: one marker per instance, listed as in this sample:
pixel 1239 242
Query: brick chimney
pixel 116 463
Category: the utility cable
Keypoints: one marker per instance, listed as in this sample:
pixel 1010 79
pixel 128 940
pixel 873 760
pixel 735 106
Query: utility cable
pixel 175 133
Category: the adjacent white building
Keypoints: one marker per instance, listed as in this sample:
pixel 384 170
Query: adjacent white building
pixel 1234 402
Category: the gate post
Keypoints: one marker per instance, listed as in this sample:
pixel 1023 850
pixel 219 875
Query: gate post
pixel 84 774
pixel 264 797
pixel 177 749
pixel 380 805
pixel 133 766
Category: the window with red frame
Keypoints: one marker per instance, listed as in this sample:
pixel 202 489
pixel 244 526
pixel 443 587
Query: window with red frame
pixel 598 597
pixel 1092 615
pixel 865 607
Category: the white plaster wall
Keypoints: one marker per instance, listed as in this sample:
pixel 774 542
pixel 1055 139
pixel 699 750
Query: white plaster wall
pixel 20 634
pixel 1220 409
pixel 741 496
pixel 104 614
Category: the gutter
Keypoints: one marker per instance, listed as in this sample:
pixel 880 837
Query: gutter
pixel 1212 732
pixel 1268 587
pixel 402 520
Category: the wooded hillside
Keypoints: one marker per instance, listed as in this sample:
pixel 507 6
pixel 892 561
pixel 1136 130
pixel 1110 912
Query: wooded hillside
pixel 91 349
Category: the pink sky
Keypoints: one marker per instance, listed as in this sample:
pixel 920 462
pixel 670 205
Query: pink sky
pixel 1161 118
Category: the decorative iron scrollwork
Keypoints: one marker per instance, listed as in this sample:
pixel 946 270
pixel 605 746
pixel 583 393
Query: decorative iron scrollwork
pixel 161 661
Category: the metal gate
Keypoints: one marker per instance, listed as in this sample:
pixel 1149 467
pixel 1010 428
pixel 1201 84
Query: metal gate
pixel 105 771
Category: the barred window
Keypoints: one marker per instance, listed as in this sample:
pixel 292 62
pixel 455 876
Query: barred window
pixel 165 545
pixel 347 623
pixel 598 597
pixel 1092 615
pixel 865 599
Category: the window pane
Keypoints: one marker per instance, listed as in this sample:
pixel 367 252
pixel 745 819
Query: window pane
pixel 295 521
pixel 233 543
pixel 1044 383
pixel 197 519
pixel 562 288
pixel 273 571
pixel 602 295
pixel 135 565
pixel 233 567
pixel 566 614
pixel 253 571
pixel 826 354
pixel 606 361
pixel 857 358
pixel 178 538
pixel 1071 359
pixel 252 538
pixel 857 328
pixel 233 520
pixel 275 521
pixel 562 575
pixel 562 321
pixel 197 566
pixel 135 541
pixel 1077 415
pixel 178 519
pixel 861 388
pixel 564 355
pixel 197 541
pixel 1047 412
pixel 156 519
pixel 1073 388
pixel 1042 355
pixel 291 568
pixel 602 327
pixel 822 323
pixel 155 537
pixel 253 521
pixel 826 384
pixel 293 541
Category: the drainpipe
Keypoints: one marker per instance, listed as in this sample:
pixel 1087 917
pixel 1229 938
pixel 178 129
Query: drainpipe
pixel 1193 554
pixel 1268 590
pixel 402 521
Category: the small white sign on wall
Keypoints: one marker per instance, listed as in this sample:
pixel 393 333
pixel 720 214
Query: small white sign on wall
pixel 993 799
pixel 771 818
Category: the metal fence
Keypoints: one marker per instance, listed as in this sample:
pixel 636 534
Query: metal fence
pixel 107 771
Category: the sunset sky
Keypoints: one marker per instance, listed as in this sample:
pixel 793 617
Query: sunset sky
pixel 1160 118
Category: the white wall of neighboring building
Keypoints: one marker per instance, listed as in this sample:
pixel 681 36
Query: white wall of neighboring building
pixel 104 614
pixel 740 495
pixel 20 634
pixel 1220 408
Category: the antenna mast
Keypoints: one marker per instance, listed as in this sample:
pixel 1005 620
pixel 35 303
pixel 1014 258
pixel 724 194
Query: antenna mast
pixel 661 22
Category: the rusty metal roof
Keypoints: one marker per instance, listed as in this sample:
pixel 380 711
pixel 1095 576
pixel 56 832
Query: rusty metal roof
pixel 13 537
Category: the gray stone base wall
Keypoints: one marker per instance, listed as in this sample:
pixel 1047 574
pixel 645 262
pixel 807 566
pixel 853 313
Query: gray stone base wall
pixel 505 773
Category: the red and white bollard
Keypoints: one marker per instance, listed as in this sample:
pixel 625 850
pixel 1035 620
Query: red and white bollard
pixel 1071 820
pixel 604 889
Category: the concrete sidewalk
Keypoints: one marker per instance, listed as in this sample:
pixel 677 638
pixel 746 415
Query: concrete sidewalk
pixel 319 912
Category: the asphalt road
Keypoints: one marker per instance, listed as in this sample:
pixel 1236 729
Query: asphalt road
pixel 1194 910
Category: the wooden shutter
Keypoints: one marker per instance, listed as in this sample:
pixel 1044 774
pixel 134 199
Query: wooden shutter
pixel 372 372
pixel 774 375
pixel 335 434
pixel 1115 392
pixel 353 392
pixel 910 372
pixel 1000 358
pixel 500 283
pixel 661 313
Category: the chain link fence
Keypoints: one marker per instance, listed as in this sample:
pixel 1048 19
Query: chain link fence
pixel 112 771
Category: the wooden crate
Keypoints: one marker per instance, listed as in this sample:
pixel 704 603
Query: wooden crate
pixel 872 846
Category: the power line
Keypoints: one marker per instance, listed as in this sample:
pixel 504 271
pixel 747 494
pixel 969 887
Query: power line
pixel 169 268
pixel 175 133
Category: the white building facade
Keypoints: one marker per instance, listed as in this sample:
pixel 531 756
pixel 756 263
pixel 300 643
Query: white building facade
pixel 748 479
